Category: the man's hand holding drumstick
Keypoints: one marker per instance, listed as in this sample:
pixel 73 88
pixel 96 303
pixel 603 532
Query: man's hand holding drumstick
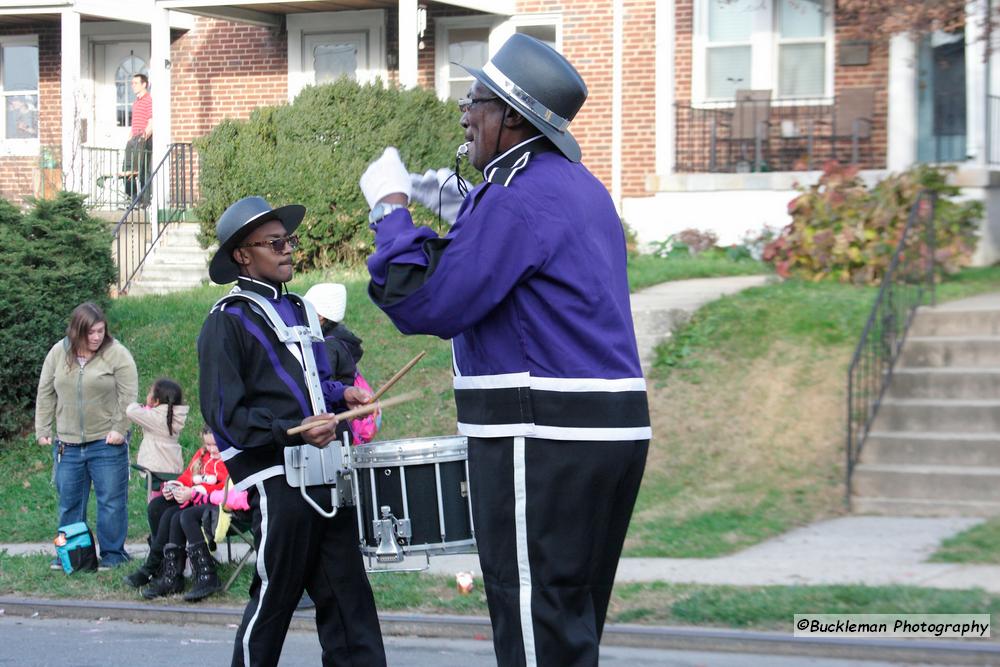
pixel 325 431
pixel 326 424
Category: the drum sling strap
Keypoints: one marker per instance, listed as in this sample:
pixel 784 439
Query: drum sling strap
pixel 305 465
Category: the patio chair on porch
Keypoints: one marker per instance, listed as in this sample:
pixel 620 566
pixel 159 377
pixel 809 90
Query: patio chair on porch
pixel 853 111
pixel 750 128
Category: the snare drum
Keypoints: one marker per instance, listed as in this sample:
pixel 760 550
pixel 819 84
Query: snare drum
pixel 413 497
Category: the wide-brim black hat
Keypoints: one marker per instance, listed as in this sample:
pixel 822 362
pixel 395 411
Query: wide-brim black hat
pixel 540 84
pixel 236 222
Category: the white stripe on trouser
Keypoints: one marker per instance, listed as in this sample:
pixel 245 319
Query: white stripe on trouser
pixel 261 572
pixel 523 564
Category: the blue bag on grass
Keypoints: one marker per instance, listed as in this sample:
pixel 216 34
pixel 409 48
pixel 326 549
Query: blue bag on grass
pixel 75 548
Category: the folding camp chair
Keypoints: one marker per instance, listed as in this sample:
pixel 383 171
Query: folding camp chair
pixel 154 480
pixel 229 524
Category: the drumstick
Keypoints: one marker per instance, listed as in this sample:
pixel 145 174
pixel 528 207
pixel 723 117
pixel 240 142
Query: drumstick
pixel 357 412
pixel 400 373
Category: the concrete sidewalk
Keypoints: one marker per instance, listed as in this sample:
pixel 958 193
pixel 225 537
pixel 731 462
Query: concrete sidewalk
pixel 866 550
pixel 658 309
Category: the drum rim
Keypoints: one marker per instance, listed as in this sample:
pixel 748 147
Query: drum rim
pixel 415 451
pixel 443 547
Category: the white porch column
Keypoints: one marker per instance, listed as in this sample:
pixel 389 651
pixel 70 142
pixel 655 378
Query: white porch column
pixel 975 81
pixel 408 43
pixel 159 83
pixel 70 99
pixel 901 150
pixel 665 111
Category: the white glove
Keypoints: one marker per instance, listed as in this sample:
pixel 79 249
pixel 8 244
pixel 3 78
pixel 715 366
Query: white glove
pixel 426 190
pixel 385 176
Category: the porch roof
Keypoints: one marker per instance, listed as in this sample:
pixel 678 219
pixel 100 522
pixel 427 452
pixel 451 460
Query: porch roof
pixel 268 12
pixel 25 12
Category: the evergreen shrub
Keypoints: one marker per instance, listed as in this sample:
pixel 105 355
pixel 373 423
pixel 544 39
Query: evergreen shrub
pixel 314 150
pixel 55 257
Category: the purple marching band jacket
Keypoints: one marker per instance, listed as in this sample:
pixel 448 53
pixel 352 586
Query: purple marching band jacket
pixel 506 285
pixel 250 419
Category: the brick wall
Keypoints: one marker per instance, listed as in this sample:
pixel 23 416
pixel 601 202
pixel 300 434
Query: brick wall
pixel 225 70
pixel 20 177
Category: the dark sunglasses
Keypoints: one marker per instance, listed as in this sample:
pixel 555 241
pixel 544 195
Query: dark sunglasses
pixel 277 245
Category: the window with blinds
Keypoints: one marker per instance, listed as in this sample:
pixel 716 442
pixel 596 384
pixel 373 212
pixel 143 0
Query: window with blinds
pixel 802 46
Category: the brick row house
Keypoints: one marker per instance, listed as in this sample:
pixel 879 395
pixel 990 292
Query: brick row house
pixel 702 113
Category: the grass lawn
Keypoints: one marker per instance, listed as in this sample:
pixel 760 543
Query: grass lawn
pixel 747 402
pixel 979 544
pixel 759 607
pixel 646 270
pixel 747 408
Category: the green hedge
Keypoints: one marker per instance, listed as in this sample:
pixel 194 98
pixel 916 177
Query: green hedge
pixel 313 152
pixel 55 257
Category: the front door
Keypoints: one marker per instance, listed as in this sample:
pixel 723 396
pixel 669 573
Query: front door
pixel 113 96
pixel 329 56
pixel 941 135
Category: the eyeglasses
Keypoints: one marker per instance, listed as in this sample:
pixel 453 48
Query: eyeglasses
pixel 466 103
pixel 277 245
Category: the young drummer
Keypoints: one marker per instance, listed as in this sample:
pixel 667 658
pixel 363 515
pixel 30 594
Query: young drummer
pixel 254 388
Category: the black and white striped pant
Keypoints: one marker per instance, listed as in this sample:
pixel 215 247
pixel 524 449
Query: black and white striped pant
pixel 299 549
pixel 551 518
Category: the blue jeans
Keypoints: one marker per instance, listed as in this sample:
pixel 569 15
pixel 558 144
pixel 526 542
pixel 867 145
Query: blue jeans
pixel 106 466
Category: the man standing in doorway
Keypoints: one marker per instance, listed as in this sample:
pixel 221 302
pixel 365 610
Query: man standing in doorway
pixel 139 149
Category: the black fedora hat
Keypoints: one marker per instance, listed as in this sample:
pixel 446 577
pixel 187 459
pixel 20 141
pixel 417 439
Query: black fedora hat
pixel 236 222
pixel 540 84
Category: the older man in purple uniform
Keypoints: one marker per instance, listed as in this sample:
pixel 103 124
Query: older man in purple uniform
pixel 530 286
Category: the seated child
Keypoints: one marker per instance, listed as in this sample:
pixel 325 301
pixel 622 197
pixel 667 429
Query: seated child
pixel 177 518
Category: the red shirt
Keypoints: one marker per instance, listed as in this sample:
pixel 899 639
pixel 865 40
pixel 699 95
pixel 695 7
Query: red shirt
pixel 142 112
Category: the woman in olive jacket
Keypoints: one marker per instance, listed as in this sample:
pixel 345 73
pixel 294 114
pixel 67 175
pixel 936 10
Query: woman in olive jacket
pixel 87 381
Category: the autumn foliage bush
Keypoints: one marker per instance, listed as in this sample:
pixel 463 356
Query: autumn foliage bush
pixel 844 231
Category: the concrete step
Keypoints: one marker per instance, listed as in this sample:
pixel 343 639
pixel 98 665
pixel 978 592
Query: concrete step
pixel 956 449
pixel 949 383
pixel 938 416
pixel 145 287
pixel 173 274
pixel 185 256
pixel 950 351
pixel 922 507
pixel 970 322
pixel 946 483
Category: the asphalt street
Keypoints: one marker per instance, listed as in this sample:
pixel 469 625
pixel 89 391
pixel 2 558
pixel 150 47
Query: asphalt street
pixel 49 642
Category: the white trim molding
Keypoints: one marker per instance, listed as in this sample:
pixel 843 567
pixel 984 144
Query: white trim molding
pixel 300 26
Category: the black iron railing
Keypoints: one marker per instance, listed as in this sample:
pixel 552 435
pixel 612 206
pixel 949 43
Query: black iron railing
pixel 165 198
pixel 907 283
pixel 790 135
pixel 109 178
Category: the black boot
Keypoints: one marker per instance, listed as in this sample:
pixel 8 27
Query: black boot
pixel 206 579
pixel 170 581
pixel 146 571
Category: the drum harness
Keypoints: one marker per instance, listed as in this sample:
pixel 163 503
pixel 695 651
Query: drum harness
pixel 305 465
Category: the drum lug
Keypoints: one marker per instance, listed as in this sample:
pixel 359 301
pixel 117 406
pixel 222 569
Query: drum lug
pixel 390 531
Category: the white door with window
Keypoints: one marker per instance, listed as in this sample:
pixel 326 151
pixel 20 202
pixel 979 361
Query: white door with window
pixel 330 56
pixel 116 64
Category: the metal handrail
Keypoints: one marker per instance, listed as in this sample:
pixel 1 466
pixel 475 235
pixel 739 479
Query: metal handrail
pixel 167 193
pixel 904 286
